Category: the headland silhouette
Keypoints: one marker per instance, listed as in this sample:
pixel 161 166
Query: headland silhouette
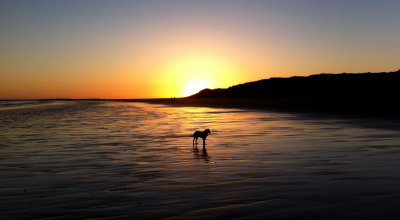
pixel 363 94
pixel 355 94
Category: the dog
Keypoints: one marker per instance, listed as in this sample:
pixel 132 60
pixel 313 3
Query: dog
pixel 202 134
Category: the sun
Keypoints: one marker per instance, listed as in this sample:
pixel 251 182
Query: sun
pixel 195 86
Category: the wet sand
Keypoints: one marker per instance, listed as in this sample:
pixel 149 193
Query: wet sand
pixel 365 107
pixel 102 159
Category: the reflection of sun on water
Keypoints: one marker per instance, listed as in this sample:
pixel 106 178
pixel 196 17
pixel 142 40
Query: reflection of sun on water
pixel 194 87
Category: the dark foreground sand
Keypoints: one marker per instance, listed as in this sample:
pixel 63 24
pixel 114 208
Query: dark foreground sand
pixel 116 160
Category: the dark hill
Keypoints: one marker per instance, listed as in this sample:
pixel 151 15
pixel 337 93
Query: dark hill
pixel 368 85
pixel 354 93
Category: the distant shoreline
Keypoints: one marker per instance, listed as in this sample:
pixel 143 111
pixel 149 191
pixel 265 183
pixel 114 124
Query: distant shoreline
pixel 349 107
pixel 355 94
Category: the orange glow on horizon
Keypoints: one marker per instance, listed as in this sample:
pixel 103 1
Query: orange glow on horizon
pixel 187 75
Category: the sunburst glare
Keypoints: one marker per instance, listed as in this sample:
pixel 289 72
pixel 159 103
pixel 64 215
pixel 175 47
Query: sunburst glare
pixel 195 86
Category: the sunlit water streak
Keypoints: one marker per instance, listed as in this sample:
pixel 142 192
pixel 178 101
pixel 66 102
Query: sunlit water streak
pixel 135 160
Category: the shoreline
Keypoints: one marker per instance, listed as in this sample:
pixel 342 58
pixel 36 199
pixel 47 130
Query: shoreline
pixel 350 107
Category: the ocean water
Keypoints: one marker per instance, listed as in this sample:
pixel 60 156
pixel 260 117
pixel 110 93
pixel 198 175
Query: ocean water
pixel 98 159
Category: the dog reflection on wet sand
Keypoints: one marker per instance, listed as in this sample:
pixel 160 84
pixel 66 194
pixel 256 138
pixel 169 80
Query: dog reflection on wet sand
pixel 201 134
pixel 201 154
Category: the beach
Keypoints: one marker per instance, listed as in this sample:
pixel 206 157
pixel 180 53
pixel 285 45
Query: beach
pixel 110 159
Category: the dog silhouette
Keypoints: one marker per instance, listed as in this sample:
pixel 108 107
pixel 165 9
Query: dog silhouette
pixel 201 134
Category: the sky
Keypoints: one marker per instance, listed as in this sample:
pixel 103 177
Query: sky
pixel 152 49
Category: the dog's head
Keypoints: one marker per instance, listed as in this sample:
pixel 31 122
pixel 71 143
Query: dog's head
pixel 207 131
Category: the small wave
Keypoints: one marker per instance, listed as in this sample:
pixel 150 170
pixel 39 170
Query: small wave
pixel 15 104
